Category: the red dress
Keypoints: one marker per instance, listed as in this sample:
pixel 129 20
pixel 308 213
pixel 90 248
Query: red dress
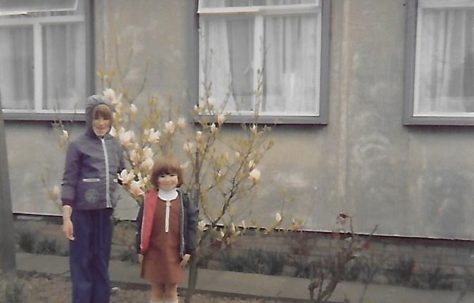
pixel 161 261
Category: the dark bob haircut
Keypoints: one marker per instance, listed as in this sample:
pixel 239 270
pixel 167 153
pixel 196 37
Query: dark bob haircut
pixel 166 165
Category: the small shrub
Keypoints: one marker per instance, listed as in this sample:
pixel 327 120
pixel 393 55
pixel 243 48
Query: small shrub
pixel 401 272
pixel 26 241
pixel 47 247
pixel 255 261
pixel 11 290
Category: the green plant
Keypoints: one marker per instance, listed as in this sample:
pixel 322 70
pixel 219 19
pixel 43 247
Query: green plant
pixel 348 247
pixel 401 272
pixel 11 289
pixel 254 261
pixel 26 241
pixel 48 247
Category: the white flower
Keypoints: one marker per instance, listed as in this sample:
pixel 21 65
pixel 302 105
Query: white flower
pixel 181 123
pixel 213 128
pixel 113 132
pixel 148 152
pixel 109 94
pixel 54 193
pixel 251 164
pixel 147 165
pixel 198 135
pixel 133 110
pixel 254 175
pixel 65 135
pixel 169 127
pixel 126 176
pixel 152 136
pixel 136 189
pixel 220 119
pixel 127 138
pixel 278 217
pixel 202 225
pixel 253 129
pixel 134 156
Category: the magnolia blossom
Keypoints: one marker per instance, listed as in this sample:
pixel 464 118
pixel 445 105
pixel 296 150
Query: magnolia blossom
pixel 109 94
pixel 113 132
pixel 220 119
pixel 127 138
pixel 54 193
pixel 181 123
pixel 134 156
pixel 254 175
pixel 202 225
pixel 253 129
pixel 126 177
pixel 251 164
pixel 213 128
pixel 151 136
pixel 133 110
pixel 198 135
pixel 147 165
pixel 136 189
pixel 278 217
pixel 148 152
pixel 169 127
pixel 65 135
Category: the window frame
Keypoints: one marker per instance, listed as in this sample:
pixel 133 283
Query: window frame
pixel 36 113
pixel 411 31
pixel 322 118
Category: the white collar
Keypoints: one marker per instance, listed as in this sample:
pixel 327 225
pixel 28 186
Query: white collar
pixel 168 195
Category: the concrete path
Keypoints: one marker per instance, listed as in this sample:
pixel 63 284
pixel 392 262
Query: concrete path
pixel 253 285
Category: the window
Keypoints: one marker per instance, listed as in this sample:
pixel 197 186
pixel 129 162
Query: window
pixel 43 55
pixel 278 48
pixel 440 62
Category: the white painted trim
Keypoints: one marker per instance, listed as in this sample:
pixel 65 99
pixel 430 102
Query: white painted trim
pixel 261 10
pixel 41 20
pixel 445 3
pixel 38 66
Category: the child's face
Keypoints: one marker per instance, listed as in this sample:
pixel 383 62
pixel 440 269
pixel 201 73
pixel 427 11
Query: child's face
pixel 101 126
pixel 167 181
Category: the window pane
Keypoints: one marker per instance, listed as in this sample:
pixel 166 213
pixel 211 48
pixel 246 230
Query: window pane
pixel 64 66
pixel 226 56
pixel 36 6
pixel 16 72
pixel 445 67
pixel 291 69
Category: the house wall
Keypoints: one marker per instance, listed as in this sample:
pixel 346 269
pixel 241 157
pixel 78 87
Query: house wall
pixel 407 180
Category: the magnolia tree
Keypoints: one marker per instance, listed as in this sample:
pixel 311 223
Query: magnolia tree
pixel 221 171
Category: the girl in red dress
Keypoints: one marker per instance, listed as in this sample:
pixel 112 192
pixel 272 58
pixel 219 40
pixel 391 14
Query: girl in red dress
pixel 167 224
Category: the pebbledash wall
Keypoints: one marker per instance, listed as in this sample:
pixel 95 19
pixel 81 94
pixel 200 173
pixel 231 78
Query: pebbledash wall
pixel 411 181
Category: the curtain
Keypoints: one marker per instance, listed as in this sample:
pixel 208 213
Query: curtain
pixel 290 47
pixel 16 67
pixel 446 67
pixel 64 64
pixel 291 65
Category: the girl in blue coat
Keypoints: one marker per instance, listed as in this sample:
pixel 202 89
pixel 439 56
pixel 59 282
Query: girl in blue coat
pixel 88 197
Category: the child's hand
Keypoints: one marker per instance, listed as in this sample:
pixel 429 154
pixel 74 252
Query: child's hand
pixel 185 260
pixel 68 229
